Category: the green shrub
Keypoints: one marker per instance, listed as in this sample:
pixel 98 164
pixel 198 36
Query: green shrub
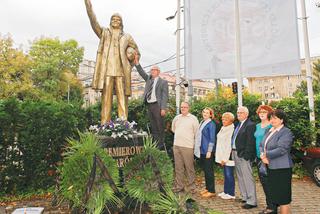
pixel 76 169
pixel 140 178
pixel 33 135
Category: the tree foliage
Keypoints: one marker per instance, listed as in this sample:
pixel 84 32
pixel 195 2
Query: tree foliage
pixel 55 64
pixel 302 90
pixel 15 75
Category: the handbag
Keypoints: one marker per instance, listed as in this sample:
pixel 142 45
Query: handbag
pixel 262 168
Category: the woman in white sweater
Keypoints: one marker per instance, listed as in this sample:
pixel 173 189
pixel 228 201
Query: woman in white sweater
pixel 223 155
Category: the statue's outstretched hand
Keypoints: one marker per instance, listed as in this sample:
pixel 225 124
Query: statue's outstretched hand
pixel 88 3
pixel 136 58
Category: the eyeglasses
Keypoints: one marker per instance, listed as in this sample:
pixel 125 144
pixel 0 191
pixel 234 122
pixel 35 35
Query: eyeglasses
pixel 263 112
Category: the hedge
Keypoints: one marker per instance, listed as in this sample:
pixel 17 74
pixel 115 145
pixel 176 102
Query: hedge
pixel 32 137
pixel 33 133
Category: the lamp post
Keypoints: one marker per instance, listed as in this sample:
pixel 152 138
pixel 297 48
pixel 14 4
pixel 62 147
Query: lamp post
pixel 177 32
pixel 178 59
pixel 307 61
pixel 238 51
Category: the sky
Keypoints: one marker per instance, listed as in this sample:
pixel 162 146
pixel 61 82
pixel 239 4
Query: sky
pixel 145 20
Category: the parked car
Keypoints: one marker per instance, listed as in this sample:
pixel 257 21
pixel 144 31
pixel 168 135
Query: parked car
pixel 311 161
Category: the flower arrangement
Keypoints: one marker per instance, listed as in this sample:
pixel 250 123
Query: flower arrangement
pixel 116 129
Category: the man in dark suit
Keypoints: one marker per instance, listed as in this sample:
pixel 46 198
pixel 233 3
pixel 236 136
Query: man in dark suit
pixel 243 153
pixel 155 97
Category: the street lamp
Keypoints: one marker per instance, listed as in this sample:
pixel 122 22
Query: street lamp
pixel 172 17
pixel 178 81
pixel 183 83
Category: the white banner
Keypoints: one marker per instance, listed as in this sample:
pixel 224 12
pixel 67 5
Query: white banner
pixel 268 32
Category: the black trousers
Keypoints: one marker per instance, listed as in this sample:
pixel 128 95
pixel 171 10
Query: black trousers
pixel 207 166
pixel 266 188
pixel 157 124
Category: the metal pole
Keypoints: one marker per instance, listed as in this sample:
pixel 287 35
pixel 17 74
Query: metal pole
pixel 238 51
pixel 190 91
pixel 178 60
pixel 217 87
pixel 307 61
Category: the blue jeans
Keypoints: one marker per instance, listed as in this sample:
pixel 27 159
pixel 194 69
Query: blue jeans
pixel 228 180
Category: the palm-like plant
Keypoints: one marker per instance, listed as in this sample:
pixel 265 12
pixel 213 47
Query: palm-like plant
pixel 75 172
pixel 142 182
pixel 170 203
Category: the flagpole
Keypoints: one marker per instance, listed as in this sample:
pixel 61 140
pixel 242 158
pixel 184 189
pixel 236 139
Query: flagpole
pixel 307 61
pixel 238 51
pixel 178 60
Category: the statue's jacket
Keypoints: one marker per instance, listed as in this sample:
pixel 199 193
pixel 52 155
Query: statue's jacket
pixel 100 72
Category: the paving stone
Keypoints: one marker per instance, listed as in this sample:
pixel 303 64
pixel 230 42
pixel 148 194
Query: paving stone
pixel 305 194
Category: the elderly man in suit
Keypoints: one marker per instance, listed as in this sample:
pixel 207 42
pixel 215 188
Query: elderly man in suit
pixel 243 153
pixel 155 97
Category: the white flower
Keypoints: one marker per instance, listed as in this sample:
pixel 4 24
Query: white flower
pixel 114 135
pixel 132 124
pixel 93 128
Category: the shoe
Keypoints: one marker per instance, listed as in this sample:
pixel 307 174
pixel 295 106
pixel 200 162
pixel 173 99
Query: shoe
pixel 208 195
pixel 228 197
pixel 268 211
pixel 248 206
pixel 241 200
pixel 203 192
pixel 221 194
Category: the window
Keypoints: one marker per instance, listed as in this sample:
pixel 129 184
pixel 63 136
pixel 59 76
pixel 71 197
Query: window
pixel 266 88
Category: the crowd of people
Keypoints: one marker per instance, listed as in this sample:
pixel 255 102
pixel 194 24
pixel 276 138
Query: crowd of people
pixel 235 147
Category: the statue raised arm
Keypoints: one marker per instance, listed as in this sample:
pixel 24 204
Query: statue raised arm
pixel 93 19
pixel 114 62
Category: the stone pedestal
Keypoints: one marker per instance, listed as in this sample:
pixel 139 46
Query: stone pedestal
pixel 121 149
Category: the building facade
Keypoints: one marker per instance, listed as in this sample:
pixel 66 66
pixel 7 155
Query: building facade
pixel 85 75
pixel 86 70
pixel 278 87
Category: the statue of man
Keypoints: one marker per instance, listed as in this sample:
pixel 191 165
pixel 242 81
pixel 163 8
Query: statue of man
pixel 114 63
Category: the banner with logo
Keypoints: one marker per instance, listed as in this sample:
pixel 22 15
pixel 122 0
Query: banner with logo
pixel 268 33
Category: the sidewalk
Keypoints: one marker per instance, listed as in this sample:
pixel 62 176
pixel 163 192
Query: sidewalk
pixel 305 199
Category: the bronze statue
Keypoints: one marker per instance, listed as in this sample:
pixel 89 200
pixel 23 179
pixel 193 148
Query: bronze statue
pixel 114 63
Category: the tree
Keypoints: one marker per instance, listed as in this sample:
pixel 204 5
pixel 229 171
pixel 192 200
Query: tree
pixel 316 71
pixel 302 89
pixel 15 75
pixel 223 91
pixel 55 64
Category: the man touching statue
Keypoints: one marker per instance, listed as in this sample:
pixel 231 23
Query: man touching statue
pixel 155 97
pixel 114 63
